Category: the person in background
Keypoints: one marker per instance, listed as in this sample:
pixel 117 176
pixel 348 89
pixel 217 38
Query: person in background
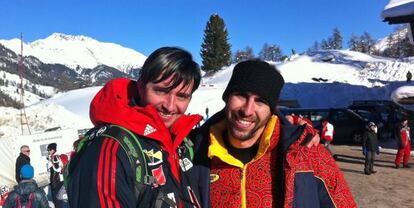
pixel 56 178
pixel 370 147
pixel 207 116
pixel 409 76
pixel 26 193
pixel 256 158
pixel 327 133
pixel 22 159
pixel 75 147
pixel 4 192
pixel 404 145
pixel 149 112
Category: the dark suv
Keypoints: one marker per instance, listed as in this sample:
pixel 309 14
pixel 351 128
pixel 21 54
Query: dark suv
pixel 347 124
pixel 385 113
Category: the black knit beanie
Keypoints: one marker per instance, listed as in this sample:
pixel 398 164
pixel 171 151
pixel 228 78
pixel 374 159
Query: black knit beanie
pixel 258 77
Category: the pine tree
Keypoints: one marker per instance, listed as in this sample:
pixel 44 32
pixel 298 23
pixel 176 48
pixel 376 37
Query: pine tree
pixel 325 45
pixel 243 55
pixel 264 54
pixel 314 47
pixel 249 52
pixel 336 40
pixel 354 43
pixel 366 43
pixel 271 52
pixel 215 49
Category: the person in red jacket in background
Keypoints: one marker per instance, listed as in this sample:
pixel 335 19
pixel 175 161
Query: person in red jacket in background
pixel 404 145
pixel 327 133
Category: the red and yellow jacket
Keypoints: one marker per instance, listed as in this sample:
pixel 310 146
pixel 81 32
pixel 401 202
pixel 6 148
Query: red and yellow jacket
pixel 284 172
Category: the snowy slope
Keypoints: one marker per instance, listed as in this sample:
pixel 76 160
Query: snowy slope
pixel 40 118
pixel 13 81
pixel 82 51
pixel 76 101
pixel 383 43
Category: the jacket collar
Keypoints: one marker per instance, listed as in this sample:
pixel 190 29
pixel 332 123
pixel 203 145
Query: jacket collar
pixel 288 133
pixel 218 149
pixel 113 105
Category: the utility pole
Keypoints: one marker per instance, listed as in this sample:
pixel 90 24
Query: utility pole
pixel 23 118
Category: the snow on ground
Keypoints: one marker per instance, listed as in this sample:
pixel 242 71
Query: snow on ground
pixel 75 101
pixel 14 83
pixel 320 79
pixel 40 118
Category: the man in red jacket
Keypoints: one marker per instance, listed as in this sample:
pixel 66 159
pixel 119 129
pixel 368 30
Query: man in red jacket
pixel 258 159
pixel 404 145
pixel 138 154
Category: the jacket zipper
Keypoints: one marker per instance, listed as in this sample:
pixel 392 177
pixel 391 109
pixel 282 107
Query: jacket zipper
pixel 243 187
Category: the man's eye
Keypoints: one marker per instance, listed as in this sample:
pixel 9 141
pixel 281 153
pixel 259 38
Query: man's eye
pixel 183 96
pixel 240 95
pixel 161 91
pixel 261 101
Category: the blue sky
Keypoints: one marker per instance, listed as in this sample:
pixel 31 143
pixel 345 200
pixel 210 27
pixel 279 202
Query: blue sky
pixel 145 25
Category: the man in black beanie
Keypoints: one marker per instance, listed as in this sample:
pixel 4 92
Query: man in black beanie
pixel 256 158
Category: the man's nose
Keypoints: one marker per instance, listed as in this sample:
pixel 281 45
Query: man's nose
pixel 169 103
pixel 248 108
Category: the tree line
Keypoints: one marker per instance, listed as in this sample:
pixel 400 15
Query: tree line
pixel 216 49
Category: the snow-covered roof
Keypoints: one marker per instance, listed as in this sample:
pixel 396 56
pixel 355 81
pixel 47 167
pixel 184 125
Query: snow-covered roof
pixel 403 93
pixel 398 11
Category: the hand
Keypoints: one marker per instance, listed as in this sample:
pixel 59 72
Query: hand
pixel 314 142
pixel 364 151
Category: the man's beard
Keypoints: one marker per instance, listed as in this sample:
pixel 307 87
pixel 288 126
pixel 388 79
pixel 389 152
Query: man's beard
pixel 242 135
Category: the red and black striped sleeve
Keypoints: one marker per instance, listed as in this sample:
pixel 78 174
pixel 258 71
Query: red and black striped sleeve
pixel 103 177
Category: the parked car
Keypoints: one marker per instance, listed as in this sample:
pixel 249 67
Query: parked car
pixel 348 125
pixel 384 113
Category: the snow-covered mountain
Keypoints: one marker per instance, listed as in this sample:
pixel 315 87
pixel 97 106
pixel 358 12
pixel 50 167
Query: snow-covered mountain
pixel 38 76
pixel 78 51
pixel 382 44
pixel 319 79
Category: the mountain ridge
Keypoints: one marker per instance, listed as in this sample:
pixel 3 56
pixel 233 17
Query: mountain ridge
pixel 79 51
pixel 42 80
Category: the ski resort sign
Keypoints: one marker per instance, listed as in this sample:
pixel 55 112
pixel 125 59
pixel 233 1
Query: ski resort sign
pixel 10 149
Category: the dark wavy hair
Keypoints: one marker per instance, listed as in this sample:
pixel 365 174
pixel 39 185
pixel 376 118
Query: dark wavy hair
pixel 170 61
